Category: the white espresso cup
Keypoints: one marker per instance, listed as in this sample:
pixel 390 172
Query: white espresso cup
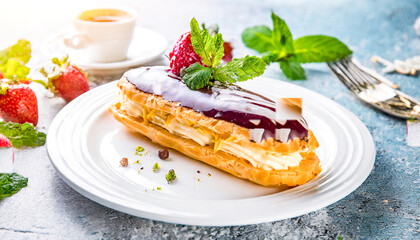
pixel 105 34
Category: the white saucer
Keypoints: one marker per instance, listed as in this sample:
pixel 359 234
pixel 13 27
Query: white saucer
pixel 147 45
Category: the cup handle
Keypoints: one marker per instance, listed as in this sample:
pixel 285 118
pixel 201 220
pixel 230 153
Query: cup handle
pixel 76 40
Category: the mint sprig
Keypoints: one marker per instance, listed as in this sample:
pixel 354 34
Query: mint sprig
pixel 11 183
pixel 22 135
pixel 277 45
pixel 210 49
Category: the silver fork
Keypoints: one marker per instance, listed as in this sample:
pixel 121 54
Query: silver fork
pixel 374 89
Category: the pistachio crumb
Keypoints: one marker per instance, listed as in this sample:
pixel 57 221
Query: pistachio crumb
pixel 156 167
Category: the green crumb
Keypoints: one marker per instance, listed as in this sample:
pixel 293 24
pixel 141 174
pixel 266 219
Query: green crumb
pixel 170 176
pixel 198 179
pixel 340 238
pixel 159 188
pixel 139 149
pixel 156 167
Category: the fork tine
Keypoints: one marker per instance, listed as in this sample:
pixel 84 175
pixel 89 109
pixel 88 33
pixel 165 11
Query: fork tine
pixel 359 80
pixel 364 76
pixel 350 85
pixel 346 76
pixel 356 80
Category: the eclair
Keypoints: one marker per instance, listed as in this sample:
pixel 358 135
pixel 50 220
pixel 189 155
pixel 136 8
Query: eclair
pixel 230 128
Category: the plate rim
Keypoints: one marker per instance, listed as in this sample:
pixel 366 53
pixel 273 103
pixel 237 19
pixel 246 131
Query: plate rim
pixel 362 129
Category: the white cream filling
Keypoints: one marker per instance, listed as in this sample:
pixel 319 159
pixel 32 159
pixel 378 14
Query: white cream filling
pixel 258 158
pixel 262 159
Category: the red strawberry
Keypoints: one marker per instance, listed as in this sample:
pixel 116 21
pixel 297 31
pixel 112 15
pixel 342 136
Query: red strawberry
pixel 1 75
pixel 71 84
pixel 5 142
pixel 19 104
pixel 183 55
pixel 228 51
pixel 67 81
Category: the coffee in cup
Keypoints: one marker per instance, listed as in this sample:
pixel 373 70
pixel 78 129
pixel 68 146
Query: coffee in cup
pixel 105 34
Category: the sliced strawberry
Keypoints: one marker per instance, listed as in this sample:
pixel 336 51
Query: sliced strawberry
pixel 19 104
pixel 183 55
pixel 5 142
pixel 1 75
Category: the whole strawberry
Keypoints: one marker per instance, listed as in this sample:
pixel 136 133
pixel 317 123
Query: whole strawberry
pixel 19 104
pixel 66 81
pixel 5 142
pixel 183 55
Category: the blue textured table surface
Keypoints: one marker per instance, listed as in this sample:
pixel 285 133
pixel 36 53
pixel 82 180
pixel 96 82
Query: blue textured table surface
pixel 386 205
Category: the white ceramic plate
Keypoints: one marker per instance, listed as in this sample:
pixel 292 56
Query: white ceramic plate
pixel 85 145
pixel 146 46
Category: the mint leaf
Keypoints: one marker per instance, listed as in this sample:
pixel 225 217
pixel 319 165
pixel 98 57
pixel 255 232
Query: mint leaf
pixel 11 183
pixel 281 35
pixel 14 69
pixel 196 76
pixel 292 69
pixel 21 51
pixel 276 56
pixel 14 58
pixel 277 45
pixel 258 38
pixel 218 50
pixel 209 48
pixel 239 70
pixel 22 135
pixel 320 48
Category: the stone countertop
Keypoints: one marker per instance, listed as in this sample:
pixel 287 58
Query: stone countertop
pixel 386 205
